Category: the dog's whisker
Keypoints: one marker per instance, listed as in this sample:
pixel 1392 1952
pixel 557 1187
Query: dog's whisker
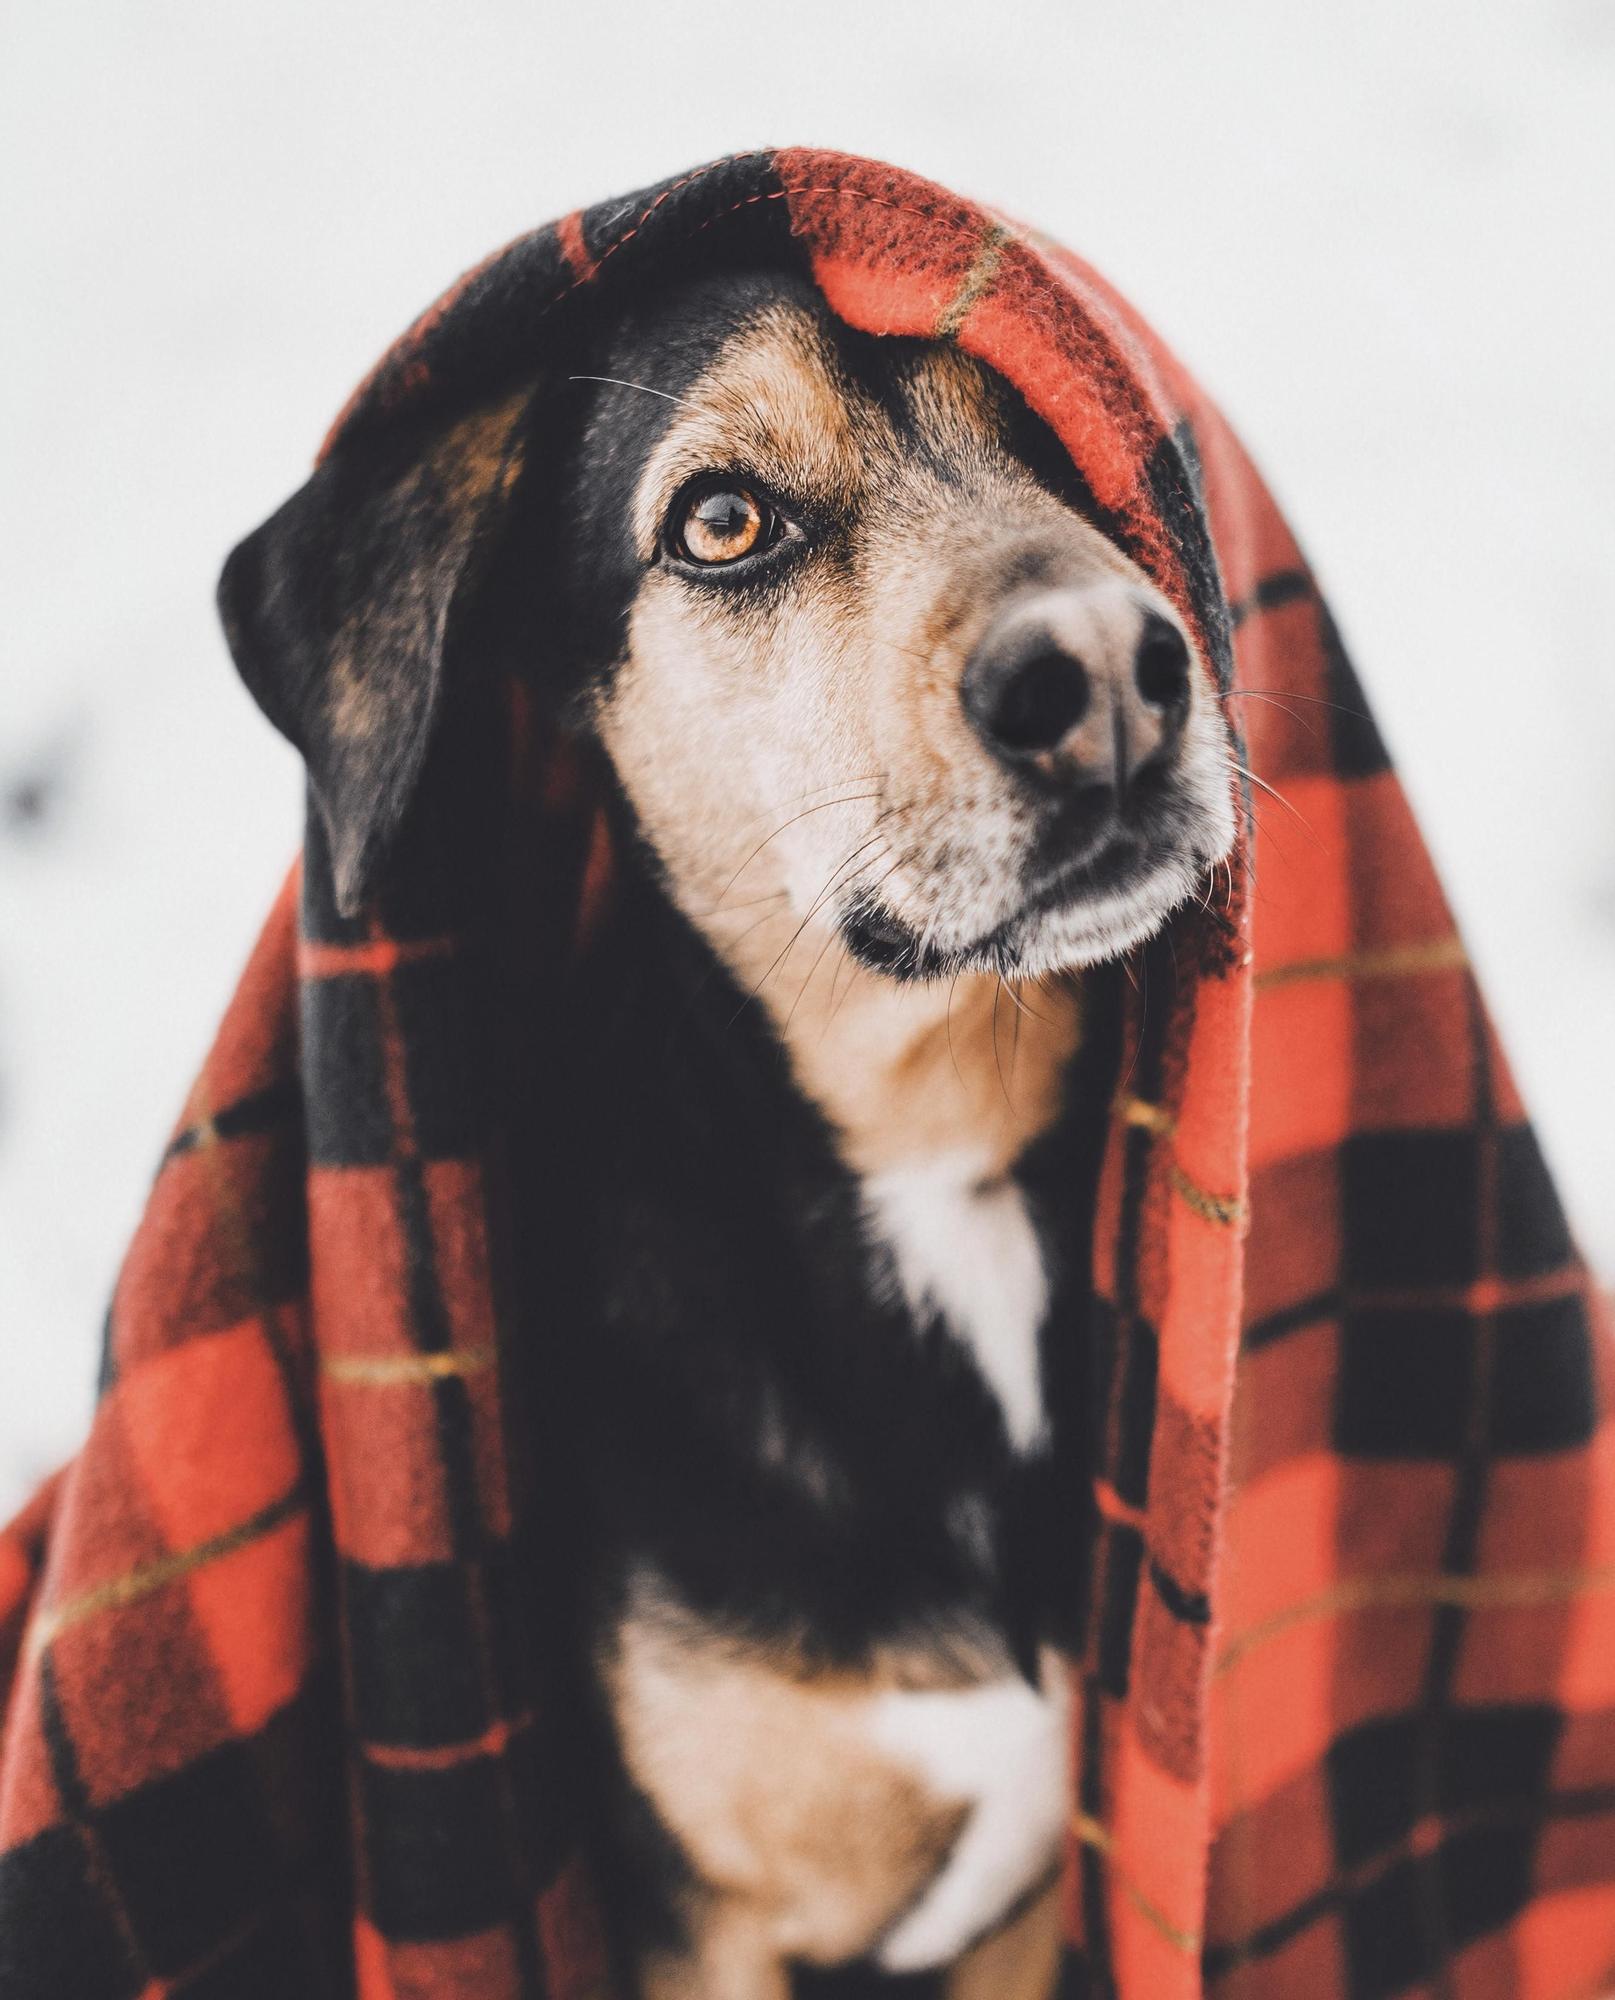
pixel 830 938
pixel 1280 702
pixel 998 1060
pixel 755 925
pixel 1014 1029
pixel 1274 793
pixel 751 902
pixel 856 971
pixel 1013 997
pixel 1141 986
pixel 1290 694
pixel 953 1056
pixel 644 388
pixel 812 791
pixel 843 960
pixel 855 798
pixel 813 909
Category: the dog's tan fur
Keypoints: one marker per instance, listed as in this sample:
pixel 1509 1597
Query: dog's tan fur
pixel 808 1843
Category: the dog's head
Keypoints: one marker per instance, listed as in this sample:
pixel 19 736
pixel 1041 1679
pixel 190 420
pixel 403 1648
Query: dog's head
pixel 848 629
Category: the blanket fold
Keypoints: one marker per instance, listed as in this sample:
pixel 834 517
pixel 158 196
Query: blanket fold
pixel 277 1721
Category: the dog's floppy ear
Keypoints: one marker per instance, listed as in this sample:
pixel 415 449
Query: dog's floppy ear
pixel 338 608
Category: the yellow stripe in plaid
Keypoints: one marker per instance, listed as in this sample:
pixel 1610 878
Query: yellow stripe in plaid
pixel 1092 1834
pixel 1226 1209
pixel 1392 962
pixel 1508 1590
pixel 978 279
pixel 386 1369
pixel 146 1578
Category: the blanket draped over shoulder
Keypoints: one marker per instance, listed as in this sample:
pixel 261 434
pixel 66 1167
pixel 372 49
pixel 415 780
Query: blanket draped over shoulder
pixel 275 1721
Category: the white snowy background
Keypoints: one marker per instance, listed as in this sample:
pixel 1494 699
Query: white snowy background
pixel 1381 233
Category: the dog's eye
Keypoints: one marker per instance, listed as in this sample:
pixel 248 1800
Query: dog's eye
pixel 720 524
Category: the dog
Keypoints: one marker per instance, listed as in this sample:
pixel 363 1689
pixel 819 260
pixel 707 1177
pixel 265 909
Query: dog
pixel 900 741
pixel 900 744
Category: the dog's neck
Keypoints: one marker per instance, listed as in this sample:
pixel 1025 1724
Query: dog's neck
pixel 909 1073
pixel 933 1091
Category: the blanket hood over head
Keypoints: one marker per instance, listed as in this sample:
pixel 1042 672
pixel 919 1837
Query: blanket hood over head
pixel 1346 1714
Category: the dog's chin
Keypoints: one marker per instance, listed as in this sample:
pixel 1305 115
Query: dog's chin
pixel 1086 914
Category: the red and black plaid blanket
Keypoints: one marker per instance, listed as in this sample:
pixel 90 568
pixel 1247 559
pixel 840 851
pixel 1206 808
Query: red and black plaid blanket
pixel 1347 1698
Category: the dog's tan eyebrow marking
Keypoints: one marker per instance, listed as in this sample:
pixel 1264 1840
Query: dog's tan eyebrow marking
pixel 955 404
pixel 772 405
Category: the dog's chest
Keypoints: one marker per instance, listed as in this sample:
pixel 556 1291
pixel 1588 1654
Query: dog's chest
pixel 964 1248
pixel 854 1813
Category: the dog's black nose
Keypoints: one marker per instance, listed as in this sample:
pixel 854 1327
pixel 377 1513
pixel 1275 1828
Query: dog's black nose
pixel 1080 689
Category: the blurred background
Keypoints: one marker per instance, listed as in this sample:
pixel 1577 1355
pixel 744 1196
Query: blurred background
pixel 1380 234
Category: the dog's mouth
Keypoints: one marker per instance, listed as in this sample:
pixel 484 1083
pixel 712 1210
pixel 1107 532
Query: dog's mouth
pixel 1076 908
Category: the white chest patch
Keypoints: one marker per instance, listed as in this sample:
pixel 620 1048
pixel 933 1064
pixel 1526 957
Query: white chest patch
pixel 967 1250
pixel 1003 1747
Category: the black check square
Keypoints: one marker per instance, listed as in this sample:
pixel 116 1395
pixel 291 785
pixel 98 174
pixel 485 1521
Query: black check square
pixel 438 1849
pixel 550 1771
pixel 1410 1202
pixel 414 1655
pixel 1356 748
pixel 1404 1383
pixel 1387 1933
pixel 1116 1341
pixel 349 1124
pixel 1543 1394
pixel 1486 1764
pixel 1496 1756
pixel 276 1960
pixel 1485 1875
pixel 1533 1237
pixel 57 1934
pixel 1122 1563
pixel 195 1856
pixel 1491 1757
pixel 1177 487
pixel 1371 1780
pixel 654 224
pixel 1135 1424
pixel 444 1057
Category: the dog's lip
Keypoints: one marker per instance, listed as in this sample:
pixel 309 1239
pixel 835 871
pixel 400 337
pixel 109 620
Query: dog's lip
pixel 881 925
pixel 1106 860
pixel 1117 857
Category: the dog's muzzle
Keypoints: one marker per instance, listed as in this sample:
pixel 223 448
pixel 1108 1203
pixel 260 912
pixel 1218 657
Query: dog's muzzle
pixel 1084 695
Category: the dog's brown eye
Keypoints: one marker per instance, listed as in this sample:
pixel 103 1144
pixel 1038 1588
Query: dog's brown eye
pixel 722 524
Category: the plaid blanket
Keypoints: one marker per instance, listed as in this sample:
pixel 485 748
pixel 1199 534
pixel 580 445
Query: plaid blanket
pixel 276 1721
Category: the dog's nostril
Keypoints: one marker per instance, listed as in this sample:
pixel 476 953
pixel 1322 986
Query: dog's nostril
pixel 1040 703
pixel 1026 699
pixel 1161 664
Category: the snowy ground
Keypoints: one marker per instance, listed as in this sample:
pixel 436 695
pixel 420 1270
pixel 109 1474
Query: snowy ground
pixel 1381 233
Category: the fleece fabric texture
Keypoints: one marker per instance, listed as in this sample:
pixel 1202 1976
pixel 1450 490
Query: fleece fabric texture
pixel 1346 1705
